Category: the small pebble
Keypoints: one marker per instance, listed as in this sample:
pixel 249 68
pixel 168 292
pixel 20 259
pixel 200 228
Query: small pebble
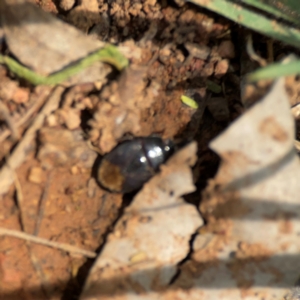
pixel 70 117
pixel 51 120
pixel 66 4
pixel 21 95
pixel 221 68
pixel 36 175
pixel 198 51
pixel 74 170
pixel 226 49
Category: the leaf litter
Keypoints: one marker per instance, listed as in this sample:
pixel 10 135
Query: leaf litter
pixel 156 249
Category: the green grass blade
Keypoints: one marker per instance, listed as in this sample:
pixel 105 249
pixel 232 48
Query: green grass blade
pixel 252 20
pixel 274 71
pixel 108 54
pixel 287 11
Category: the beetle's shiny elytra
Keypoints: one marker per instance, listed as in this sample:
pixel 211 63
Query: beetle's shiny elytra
pixel 130 164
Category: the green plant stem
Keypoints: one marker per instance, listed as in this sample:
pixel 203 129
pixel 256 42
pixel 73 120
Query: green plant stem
pixel 108 54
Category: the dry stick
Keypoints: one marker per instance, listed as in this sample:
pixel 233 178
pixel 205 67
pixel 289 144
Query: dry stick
pixel 33 259
pixel 41 207
pixel 5 114
pixel 61 246
pixel 19 197
pixel 250 50
pixel 45 286
pixel 19 154
pixel 35 107
pixel 43 203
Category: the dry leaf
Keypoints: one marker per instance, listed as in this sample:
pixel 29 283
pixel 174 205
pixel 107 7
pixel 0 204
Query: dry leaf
pixel 41 41
pixel 250 246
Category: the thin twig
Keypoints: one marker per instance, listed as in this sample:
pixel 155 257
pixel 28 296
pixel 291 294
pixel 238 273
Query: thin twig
pixel 43 203
pixel 251 52
pixel 19 197
pixel 5 114
pixel 37 267
pixel 61 246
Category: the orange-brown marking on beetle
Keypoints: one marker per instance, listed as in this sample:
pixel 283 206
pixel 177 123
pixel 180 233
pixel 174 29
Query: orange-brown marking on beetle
pixel 110 176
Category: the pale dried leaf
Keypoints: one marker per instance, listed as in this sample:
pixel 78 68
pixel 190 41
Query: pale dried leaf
pixel 251 246
pixel 41 41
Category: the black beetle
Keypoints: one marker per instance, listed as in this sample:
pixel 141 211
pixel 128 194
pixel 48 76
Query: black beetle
pixel 130 164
